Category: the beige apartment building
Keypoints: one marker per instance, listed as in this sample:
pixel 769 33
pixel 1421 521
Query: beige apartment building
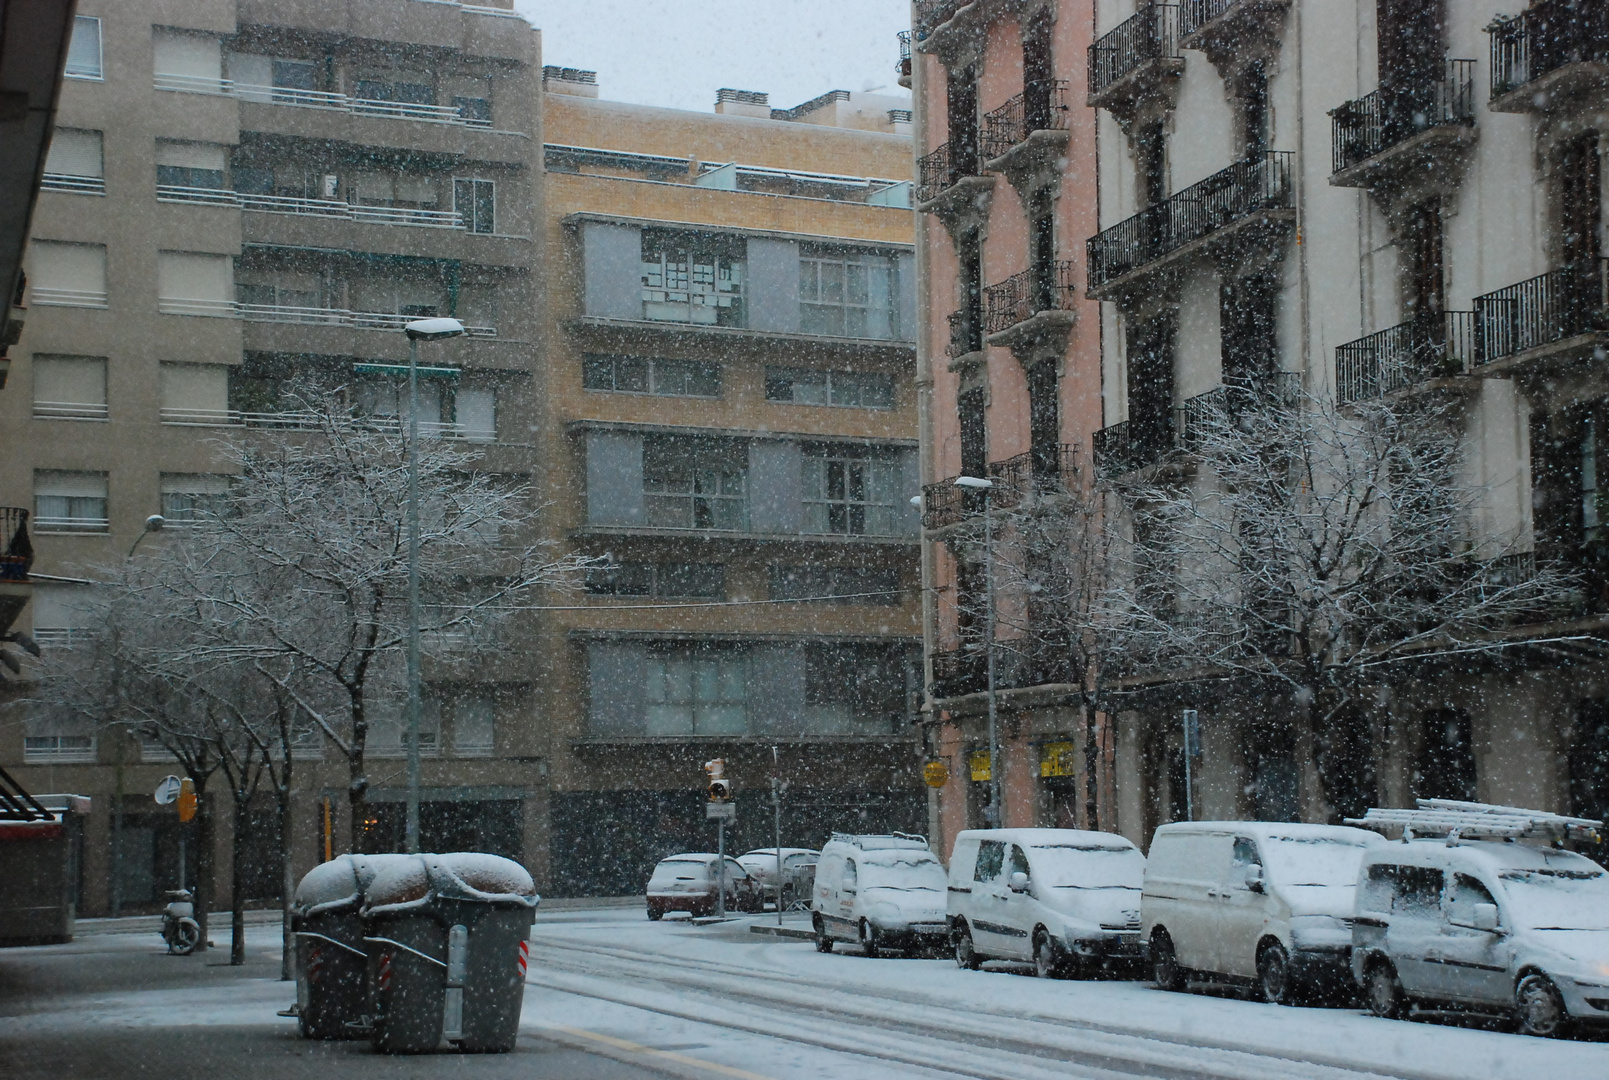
pixel 1358 198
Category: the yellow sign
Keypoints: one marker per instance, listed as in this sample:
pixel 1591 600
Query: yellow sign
pixel 978 761
pixel 1058 759
pixel 187 800
pixel 936 773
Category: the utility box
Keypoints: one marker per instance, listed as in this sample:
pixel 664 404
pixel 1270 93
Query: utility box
pixel 41 849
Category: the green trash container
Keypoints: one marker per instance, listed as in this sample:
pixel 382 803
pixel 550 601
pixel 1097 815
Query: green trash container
pixel 331 961
pixel 446 937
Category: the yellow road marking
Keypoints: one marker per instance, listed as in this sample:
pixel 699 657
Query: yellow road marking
pixel 670 1055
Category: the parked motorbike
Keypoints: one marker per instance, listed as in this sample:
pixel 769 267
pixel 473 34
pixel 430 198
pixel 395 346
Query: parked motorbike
pixel 179 927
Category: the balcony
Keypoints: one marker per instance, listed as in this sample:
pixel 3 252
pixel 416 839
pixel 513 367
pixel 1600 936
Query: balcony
pixel 946 178
pixel 1126 447
pixel 1403 131
pixel 1243 202
pixel 73 185
pixel 1136 61
pixel 931 13
pixel 1020 663
pixel 1556 50
pixel 17 557
pixel 966 335
pixel 1029 131
pixel 1412 354
pixel 1220 27
pixel 319 208
pixel 306 316
pixel 318 99
pixel 1044 471
pixel 1547 322
pixel 1031 306
pixel 306 421
pixel 904 67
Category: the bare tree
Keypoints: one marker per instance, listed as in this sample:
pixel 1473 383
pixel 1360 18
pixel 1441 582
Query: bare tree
pixel 1309 546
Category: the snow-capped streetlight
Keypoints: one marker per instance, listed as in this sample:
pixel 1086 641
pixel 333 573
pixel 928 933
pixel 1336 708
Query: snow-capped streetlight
pixel 991 813
pixel 417 331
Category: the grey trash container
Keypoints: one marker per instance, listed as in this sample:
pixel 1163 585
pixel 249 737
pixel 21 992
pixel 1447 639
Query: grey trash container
pixel 446 939
pixel 331 961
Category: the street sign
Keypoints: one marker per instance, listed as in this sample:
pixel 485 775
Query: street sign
pixel 936 773
pixel 187 800
pixel 167 791
pixel 720 811
pixel 1192 733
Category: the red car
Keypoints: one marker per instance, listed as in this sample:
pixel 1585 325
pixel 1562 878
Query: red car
pixel 689 883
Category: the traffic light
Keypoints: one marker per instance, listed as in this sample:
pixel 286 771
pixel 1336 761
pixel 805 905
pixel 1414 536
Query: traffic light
pixel 720 788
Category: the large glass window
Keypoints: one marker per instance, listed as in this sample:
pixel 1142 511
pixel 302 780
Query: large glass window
pixel 853 688
pixel 850 492
pixel 811 386
pixel 845 293
pixel 839 584
pixel 476 203
pixel 693 278
pixel 667 580
pixel 694 484
pixel 696 692
pixel 650 375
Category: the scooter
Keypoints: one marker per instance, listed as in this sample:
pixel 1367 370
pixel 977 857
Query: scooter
pixel 179 927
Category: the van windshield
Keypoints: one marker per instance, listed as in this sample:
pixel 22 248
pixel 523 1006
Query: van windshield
pixel 1321 862
pixel 1573 899
pixel 1086 866
pixel 902 870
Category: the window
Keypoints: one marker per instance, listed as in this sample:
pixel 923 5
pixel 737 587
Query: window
pixel 650 375
pixel 853 689
pixel 474 725
pixel 195 393
pixel 399 85
pixel 849 389
pixel 475 413
pixel 1462 898
pixel 849 492
pixel 190 165
pixel 693 484
pixel 62 616
pixel 84 50
pixel 69 501
pixel 191 497
pixel 69 387
pixel 416 299
pixel 385 398
pixel 388 728
pixel 75 162
pixel 693 278
pixel 292 75
pixel 58 749
pixel 851 879
pixel 184 61
pixel 474 111
pixel 192 283
pixel 1417 891
pixel 1016 862
pixel 991 860
pixel 402 191
pixel 840 584
pixel 696 692
pixel 668 580
pixel 846 293
pixel 67 275
pixel 476 203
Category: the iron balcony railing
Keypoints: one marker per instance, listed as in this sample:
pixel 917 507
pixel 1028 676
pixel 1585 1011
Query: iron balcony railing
pixel 958 672
pixel 1152 33
pixel 1548 308
pixel 966 334
pixel 1544 38
pixel 1022 296
pixel 319 99
pixel 1257 183
pixel 943 169
pixel 17 557
pixel 904 68
pixel 930 13
pixel 1019 663
pixel 1125 447
pixel 1040 108
pixel 1392 115
pixel 1405 355
pixel 1194 14
pixel 1043 469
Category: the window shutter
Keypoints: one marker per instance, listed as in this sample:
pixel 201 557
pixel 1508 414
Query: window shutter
pixel 69 274
pixel 477 413
pixel 85 485
pixel 195 393
pixel 777 677
pixel 64 606
pixel 251 70
pixel 70 380
pixel 74 152
pixel 184 275
pixel 84 50
pixel 474 725
pixel 773 285
pixel 775 494
pixel 614 478
pixel 195 55
pixel 612 258
pixel 190 155
pixel 194 484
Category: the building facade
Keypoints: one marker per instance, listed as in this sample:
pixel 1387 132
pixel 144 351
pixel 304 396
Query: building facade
pixel 1359 199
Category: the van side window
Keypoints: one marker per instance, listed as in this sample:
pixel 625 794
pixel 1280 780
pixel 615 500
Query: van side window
pixel 1245 853
pixel 1018 863
pixel 1418 892
pixel 1466 893
pixel 1378 888
pixel 991 858
pixel 849 874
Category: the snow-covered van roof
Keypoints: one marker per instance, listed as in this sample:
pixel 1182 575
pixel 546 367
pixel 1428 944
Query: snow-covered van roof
pixel 1493 856
pixel 872 842
pixel 1086 838
pixel 1271 830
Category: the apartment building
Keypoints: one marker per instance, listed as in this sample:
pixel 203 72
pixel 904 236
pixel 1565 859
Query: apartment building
pixel 1356 198
pixel 728 414
pixel 240 195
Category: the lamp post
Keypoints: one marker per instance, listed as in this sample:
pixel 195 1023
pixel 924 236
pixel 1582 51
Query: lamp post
pixel 153 524
pixel 993 814
pixel 417 331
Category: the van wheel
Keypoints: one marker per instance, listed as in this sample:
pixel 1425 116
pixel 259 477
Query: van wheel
pixel 823 942
pixel 1274 974
pixel 1539 1008
pixel 868 939
pixel 1047 964
pixel 965 956
pixel 1384 992
pixel 1165 967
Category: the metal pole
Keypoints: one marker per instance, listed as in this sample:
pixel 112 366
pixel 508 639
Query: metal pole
pixel 776 803
pixel 1189 788
pixel 413 597
pixel 995 815
pixel 720 861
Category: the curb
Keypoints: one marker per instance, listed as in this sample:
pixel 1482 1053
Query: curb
pixel 783 931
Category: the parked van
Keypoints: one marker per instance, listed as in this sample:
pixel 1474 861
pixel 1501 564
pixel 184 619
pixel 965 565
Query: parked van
pixel 1063 898
pixel 1266 903
pixel 880 891
pixel 1494 926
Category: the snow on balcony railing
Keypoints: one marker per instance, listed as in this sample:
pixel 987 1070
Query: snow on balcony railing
pixel 205 196
pixel 68 410
pixel 71 524
pixel 405 110
pixel 61 637
pixel 305 421
pixel 401 215
pixel 200 417
pixel 77 185
pixel 192 84
pixel 284 313
pixel 43 297
pixel 324 208
pixel 57 749
pixel 317 99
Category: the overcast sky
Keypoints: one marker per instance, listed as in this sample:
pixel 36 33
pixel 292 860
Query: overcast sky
pixel 678 53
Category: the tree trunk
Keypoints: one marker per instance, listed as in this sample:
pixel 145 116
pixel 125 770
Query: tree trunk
pixel 237 873
pixel 1343 752
pixel 204 838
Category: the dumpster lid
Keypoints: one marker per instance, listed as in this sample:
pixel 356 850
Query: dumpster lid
pixel 409 881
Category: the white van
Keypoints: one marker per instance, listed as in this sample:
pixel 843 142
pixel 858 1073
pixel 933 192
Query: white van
pixel 882 891
pixel 1488 926
pixel 1260 902
pixel 1065 899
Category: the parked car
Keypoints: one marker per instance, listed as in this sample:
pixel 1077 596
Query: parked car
pixel 1484 925
pixel 1261 903
pixel 689 883
pixel 1066 899
pixel 881 891
pixel 798 871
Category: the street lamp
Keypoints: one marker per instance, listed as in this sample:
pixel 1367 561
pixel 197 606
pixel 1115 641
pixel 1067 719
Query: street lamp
pixel 417 331
pixel 992 815
pixel 153 524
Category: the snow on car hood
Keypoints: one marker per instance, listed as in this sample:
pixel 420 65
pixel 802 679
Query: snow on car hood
pixel 1112 906
pixel 1581 952
pixel 1333 900
pixel 913 905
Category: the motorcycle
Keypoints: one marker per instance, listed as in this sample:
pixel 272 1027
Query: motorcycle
pixel 179 927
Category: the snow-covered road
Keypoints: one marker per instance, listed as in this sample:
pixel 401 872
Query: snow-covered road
pixel 720 1000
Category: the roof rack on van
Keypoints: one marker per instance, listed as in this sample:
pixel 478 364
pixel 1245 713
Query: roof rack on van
pixel 881 840
pixel 1456 820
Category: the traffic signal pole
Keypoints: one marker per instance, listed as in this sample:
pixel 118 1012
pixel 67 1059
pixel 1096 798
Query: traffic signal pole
pixel 720 852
